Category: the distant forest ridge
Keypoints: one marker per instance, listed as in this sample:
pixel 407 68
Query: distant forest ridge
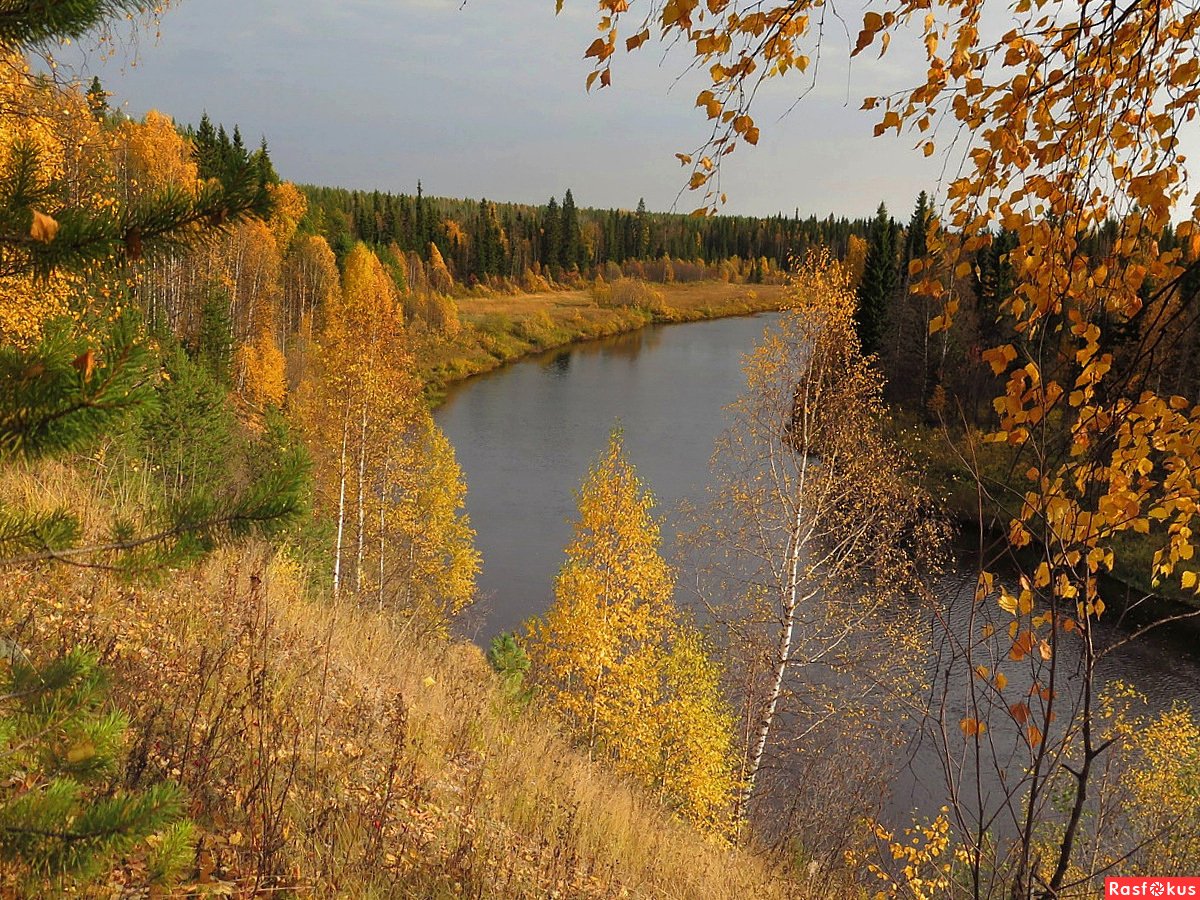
pixel 483 241
pixel 528 247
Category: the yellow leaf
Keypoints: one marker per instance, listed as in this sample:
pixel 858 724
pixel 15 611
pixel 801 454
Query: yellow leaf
pixel 44 228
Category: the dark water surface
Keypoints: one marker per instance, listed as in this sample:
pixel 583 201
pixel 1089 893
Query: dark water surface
pixel 526 434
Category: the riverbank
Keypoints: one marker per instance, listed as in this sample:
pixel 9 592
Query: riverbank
pixel 942 458
pixel 495 331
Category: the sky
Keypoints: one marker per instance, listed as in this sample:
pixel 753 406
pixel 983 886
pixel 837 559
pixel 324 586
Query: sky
pixel 486 99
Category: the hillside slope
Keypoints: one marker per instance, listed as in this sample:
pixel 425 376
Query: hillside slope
pixel 328 750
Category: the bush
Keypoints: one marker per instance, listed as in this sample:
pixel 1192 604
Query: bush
pixel 630 293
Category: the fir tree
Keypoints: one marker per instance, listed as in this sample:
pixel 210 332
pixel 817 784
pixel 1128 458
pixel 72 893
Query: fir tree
pixel 878 284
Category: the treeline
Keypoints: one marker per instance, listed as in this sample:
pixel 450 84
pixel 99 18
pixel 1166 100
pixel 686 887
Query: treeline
pixel 250 330
pixel 485 241
pixel 945 375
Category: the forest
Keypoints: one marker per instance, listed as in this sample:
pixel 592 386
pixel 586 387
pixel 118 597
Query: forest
pixel 238 555
pixel 493 243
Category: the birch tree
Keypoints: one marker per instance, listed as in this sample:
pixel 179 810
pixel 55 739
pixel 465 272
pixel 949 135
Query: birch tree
pixel 809 543
pixel 614 659
pixel 1061 126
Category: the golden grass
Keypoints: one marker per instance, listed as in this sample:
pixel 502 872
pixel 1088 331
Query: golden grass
pixel 328 750
pixel 499 329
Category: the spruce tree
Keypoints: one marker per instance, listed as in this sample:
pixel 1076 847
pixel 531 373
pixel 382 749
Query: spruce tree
pixel 911 368
pixel 878 284
pixel 916 238
pixel 97 99
pixel 422 228
pixel 571 251
pixel 261 159
pixel 205 149
pixel 552 235
pixel 641 232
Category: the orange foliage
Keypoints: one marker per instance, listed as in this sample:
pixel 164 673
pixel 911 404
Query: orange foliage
pixel 156 157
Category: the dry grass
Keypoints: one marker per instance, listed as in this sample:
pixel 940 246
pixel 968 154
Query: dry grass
pixel 502 328
pixel 329 751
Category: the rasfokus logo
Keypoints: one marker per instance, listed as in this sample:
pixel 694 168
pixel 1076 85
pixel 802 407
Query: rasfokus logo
pixel 1152 887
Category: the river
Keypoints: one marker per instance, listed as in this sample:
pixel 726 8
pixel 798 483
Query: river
pixel 526 434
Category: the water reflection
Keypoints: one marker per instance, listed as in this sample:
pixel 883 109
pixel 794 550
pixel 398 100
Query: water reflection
pixel 525 436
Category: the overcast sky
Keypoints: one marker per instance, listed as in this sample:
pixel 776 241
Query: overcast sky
pixel 487 99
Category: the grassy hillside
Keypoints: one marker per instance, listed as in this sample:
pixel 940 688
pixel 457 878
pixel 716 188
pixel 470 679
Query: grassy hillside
pixel 328 750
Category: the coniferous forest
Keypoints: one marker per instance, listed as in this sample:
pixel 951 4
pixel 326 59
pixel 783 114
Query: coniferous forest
pixel 950 511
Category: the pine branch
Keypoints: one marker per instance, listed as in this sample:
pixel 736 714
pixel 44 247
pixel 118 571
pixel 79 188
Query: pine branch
pixel 271 503
pixel 32 531
pixel 168 220
pixel 62 393
pixel 27 24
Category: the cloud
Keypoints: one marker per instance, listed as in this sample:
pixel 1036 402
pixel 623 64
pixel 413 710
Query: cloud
pixel 487 98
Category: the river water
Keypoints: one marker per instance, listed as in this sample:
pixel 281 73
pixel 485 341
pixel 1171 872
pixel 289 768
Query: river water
pixel 526 434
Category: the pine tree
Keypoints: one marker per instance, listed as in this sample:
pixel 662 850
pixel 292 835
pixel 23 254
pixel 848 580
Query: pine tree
pixel 59 751
pixel 508 658
pixel 61 817
pixel 878 284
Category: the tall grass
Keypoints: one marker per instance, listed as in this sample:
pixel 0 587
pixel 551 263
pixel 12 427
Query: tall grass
pixel 329 751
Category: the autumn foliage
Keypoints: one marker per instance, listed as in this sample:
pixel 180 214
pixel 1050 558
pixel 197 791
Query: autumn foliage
pixel 614 658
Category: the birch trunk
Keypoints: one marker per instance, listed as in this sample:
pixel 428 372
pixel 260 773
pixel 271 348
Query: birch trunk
pixel 341 517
